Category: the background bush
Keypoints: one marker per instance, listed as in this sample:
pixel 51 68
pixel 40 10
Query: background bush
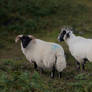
pixel 36 15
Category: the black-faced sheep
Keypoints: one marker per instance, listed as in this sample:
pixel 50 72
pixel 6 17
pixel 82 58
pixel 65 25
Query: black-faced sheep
pixel 80 47
pixel 45 55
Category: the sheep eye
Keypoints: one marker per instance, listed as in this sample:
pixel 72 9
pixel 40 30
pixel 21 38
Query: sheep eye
pixel 64 32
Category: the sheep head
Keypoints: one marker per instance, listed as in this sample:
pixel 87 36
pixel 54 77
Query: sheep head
pixel 65 33
pixel 25 39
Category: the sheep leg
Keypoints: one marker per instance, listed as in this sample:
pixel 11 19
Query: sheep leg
pixel 83 64
pixel 35 66
pixel 60 74
pixel 41 70
pixel 78 65
pixel 53 72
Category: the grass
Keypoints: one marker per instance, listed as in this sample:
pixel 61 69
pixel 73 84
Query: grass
pixel 18 75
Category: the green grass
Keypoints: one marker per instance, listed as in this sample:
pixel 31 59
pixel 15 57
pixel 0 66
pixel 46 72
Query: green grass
pixel 18 75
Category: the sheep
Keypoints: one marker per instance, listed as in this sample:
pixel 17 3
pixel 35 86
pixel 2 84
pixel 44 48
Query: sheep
pixel 46 55
pixel 79 47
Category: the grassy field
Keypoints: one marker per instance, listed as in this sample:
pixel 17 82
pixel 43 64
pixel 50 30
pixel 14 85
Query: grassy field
pixel 43 20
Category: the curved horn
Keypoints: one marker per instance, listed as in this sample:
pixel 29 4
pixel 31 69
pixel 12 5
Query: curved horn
pixel 18 38
pixel 32 37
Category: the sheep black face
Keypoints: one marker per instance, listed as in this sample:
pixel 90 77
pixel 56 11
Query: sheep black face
pixel 61 36
pixel 64 34
pixel 25 41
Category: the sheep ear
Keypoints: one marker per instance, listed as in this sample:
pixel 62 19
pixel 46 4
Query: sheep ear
pixel 18 38
pixel 30 36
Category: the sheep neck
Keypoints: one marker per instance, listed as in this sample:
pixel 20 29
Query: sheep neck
pixel 70 39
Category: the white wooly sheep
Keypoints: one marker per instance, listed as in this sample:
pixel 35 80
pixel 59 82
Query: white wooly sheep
pixel 45 55
pixel 80 47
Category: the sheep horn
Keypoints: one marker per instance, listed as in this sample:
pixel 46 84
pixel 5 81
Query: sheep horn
pixel 32 37
pixel 18 38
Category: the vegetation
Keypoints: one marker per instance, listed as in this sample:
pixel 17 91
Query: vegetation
pixel 43 19
pixel 35 15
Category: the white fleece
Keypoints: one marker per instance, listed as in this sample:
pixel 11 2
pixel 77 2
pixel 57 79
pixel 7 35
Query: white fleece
pixel 80 47
pixel 45 54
